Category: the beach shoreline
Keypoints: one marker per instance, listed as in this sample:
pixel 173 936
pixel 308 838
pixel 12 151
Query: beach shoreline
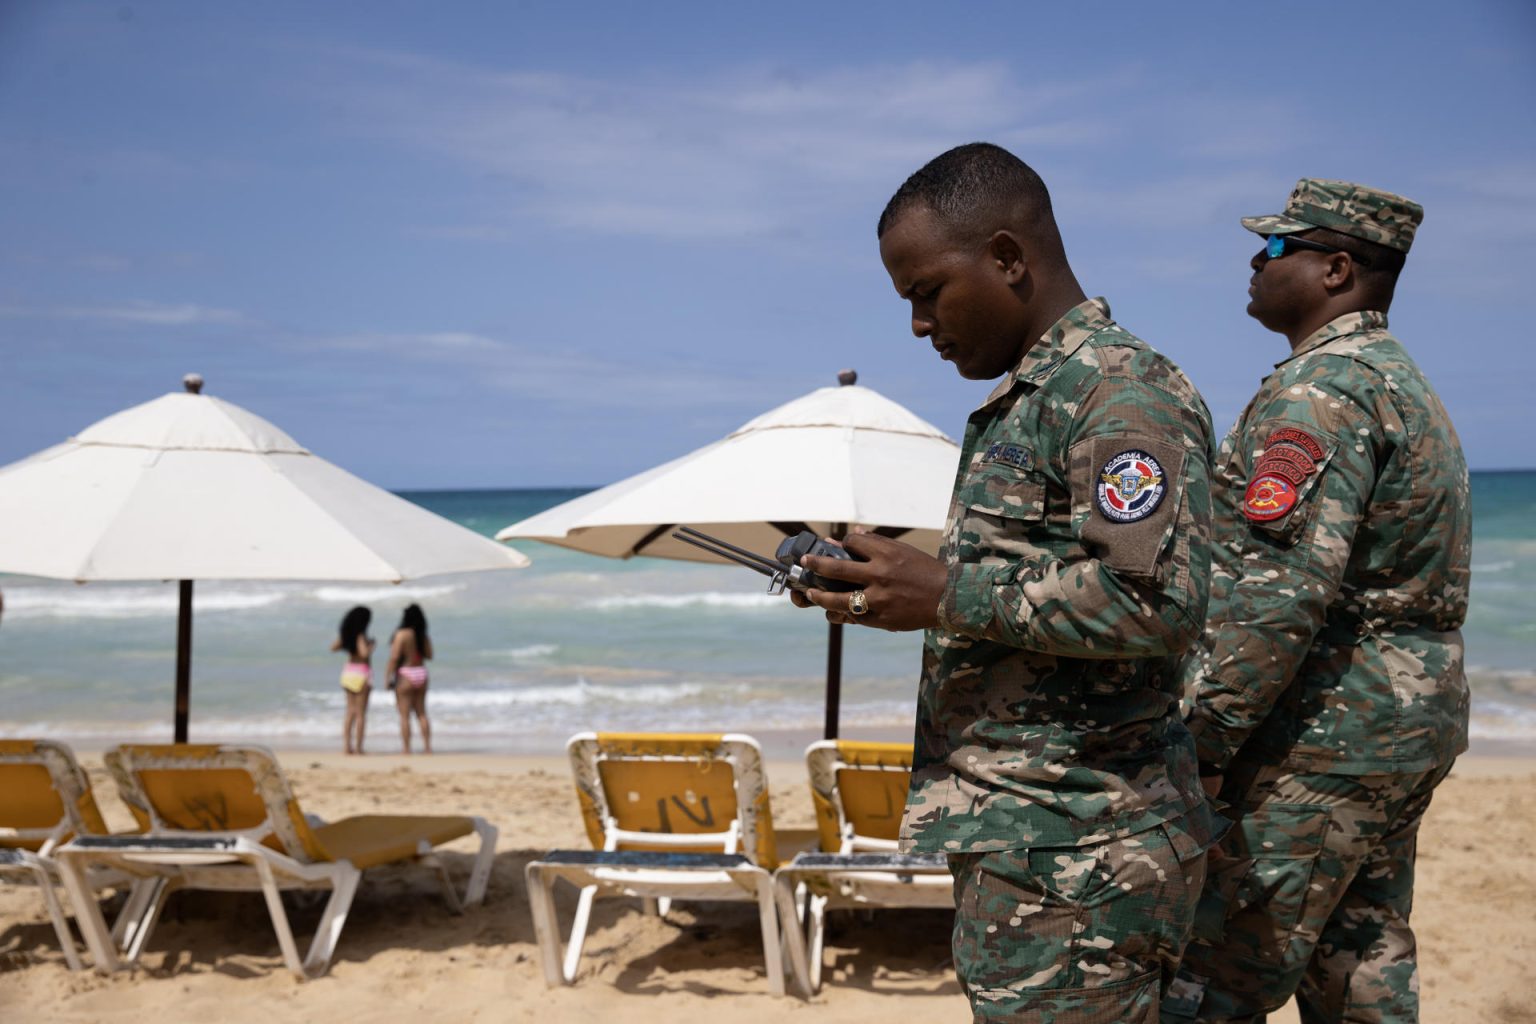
pixel 214 956
pixel 780 746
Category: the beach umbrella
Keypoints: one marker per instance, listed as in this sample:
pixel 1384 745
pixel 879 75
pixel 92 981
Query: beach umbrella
pixel 828 461
pixel 190 487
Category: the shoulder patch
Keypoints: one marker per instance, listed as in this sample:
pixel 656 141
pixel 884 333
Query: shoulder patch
pixel 1290 456
pixel 1284 460
pixel 1299 438
pixel 1269 496
pixel 1131 486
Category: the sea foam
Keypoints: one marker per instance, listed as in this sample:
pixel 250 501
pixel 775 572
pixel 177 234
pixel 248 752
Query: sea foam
pixel 707 599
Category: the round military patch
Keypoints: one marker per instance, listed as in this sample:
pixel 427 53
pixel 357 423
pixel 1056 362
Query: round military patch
pixel 1131 486
pixel 1268 497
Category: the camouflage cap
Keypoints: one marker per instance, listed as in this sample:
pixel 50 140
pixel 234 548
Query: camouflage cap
pixel 1347 208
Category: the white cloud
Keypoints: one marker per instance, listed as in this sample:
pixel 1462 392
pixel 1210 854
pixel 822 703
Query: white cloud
pixel 422 342
pixel 157 314
pixel 740 152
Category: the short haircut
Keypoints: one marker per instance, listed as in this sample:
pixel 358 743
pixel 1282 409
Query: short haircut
pixel 975 189
pixel 1383 260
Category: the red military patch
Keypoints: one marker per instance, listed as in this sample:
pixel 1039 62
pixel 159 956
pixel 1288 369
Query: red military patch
pixel 1286 461
pixel 1268 498
pixel 1300 438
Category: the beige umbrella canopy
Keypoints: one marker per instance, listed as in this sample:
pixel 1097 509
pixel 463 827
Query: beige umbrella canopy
pixel 828 461
pixel 190 487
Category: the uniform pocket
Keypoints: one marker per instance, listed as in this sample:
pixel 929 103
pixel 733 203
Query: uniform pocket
pixel 1064 874
pixel 1267 861
pixel 1002 507
pixel 1004 492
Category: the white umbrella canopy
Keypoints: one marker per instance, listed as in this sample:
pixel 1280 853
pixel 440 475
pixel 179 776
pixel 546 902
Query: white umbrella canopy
pixel 831 460
pixel 189 487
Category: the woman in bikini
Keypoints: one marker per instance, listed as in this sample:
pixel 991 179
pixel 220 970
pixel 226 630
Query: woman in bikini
pixel 409 651
pixel 356 675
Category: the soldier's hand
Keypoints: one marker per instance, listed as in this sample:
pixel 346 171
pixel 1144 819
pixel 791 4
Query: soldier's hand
pixel 902 586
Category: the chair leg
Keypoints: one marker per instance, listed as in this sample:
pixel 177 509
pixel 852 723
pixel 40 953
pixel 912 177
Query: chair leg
pixel 768 915
pixel 474 893
pixel 88 915
pixel 546 929
pixel 139 895
pixel 136 931
pixel 279 916
pixel 323 946
pixel 578 939
pixel 45 883
pixel 788 896
pixel 318 960
pixel 450 894
pixel 479 875
pixel 815 938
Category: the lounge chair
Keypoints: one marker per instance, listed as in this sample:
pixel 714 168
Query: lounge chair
pixel 859 790
pixel 682 816
pixel 46 800
pixel 224 817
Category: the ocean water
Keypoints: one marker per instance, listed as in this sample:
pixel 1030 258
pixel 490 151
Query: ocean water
pixel 525 658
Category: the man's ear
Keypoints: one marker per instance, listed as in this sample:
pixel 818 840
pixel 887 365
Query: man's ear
pixel 1340 271
pixel 1004 249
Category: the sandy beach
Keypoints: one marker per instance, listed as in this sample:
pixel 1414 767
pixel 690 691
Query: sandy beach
pixel 404 957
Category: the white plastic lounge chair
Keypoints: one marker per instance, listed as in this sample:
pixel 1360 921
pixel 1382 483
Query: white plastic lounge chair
pixel 859 790
pixel 224 817
pixel 681 816
pixel 45 800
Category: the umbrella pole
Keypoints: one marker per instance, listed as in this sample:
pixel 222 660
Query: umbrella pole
pixel 834 656
pixel 183 660
pixel 834 677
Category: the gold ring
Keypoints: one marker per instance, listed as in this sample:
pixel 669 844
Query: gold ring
pixel 858 604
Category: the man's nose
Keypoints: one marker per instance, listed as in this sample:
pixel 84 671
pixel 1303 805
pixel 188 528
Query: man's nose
pixel 922 325
pixel 1259 259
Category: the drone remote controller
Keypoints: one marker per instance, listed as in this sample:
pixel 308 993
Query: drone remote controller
pixel 784 569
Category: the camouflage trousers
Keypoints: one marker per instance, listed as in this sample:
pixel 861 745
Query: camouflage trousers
pixel 1309 894
pixel 1075 935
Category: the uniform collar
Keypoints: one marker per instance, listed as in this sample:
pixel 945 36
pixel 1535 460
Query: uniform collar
pixel 1063 338
pixel 1340 327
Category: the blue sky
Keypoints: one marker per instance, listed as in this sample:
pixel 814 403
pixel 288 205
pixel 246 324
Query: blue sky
pixel 520 244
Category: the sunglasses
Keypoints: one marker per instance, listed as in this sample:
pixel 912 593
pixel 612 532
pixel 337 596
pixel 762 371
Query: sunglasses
pixel 1278 245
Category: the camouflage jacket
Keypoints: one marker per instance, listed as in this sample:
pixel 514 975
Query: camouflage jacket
pixel 1078 552
pixel 1343 527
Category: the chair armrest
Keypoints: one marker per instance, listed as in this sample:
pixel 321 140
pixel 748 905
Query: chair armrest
pixel 646 859
pixel 873 861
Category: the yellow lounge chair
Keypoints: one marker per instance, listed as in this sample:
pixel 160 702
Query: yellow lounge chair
pixel 859 790
pixel 46 800
pixel 681 816
pixel 224 817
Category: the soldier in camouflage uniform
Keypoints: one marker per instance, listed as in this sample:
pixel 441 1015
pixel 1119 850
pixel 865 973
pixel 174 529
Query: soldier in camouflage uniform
pixel 1051 765
pixel 1328 697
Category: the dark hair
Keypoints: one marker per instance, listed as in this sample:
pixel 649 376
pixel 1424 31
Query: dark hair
pixel 1381 259
pixel 415 620
pixel 353 625
pixel 976 189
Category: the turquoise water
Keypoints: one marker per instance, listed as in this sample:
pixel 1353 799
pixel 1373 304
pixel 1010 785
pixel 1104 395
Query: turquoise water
pixel 525 658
